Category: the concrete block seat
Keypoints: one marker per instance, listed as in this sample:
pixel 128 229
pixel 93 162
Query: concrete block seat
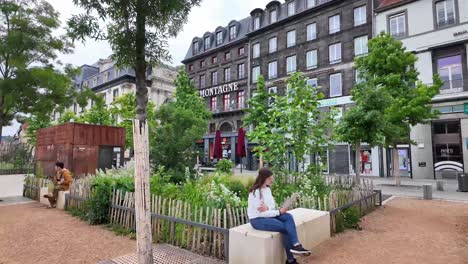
pixel 60 199
pixel 247 245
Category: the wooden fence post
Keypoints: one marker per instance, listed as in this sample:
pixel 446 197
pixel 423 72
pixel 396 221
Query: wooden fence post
pixel 142 193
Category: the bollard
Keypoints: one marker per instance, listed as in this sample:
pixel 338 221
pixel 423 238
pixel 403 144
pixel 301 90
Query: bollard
pixel 440 186
pixel 427 191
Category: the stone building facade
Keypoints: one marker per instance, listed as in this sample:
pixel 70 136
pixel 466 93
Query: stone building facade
pixel 320 38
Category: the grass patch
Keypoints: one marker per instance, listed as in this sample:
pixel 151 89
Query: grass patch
pixel 121 231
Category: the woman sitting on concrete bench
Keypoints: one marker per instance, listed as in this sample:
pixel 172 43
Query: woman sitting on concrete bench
pixel 263 215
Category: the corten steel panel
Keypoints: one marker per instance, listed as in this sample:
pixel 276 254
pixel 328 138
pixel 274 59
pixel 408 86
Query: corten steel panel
pixel 84 160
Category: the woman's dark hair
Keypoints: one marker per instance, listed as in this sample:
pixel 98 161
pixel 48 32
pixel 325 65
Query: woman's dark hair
pixel 263 174
pixel 59 164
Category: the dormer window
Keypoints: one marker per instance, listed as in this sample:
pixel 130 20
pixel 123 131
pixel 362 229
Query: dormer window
pixel 273 16
pixel 219 38
pixel 195 47
pixel 232 32
pixel 256 23
pixel 207 43
pixel 291 8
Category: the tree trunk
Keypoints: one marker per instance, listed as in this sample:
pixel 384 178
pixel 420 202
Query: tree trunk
pixel 358 163
pixel 142 193
pixel 396 166
pixel 141 143
pixel 260 165
pixel 1 116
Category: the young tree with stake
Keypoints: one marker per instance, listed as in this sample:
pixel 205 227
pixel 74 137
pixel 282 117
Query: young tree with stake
pixel 137 31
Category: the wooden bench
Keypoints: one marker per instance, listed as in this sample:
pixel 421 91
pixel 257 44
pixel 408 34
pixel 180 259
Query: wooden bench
pixel 247 245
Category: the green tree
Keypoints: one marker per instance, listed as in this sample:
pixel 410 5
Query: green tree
pixel 67 117
pixel 29 84
pixel 36 122
pixel 123 110
pixel 137 31
pixel 181 123
pixel 390 68
pixel 289 123
pixel 98 114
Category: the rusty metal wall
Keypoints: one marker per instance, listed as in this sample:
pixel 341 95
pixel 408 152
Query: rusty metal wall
pixel 76 145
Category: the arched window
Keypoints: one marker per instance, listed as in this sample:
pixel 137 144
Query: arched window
pixel 226 127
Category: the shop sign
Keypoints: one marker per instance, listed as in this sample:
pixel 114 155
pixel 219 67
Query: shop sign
pixel 460 33
pixel 335 101
pixel 465 107
pixel 222 89
pixel 422 164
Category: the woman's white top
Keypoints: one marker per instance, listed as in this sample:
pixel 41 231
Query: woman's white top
pixel 255 202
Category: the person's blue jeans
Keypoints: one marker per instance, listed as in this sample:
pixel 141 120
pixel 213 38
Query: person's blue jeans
pixel 283 224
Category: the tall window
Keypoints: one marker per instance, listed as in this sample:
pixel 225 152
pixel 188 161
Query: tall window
pixel 445 11
pixel 335 53
pixel 226 99
pixel 312 82
pixel 232 32
pixel 214 78
pixel 202 63
pixel 213 103
pixel 202 81
pixel 256 23
pixel 291 38
pixel 256 50
pixel 311 59
pixel 227 55
pixel 241 51
pixel 272 45
pixel 291 8
pixel 397 25
pixel 272 91
pixel 291 64
pixel 311 31
pixel 273 16
pixel 227 74
pixel 360 46
pixel 214 60
pixel 115 94
pixel 360 15
pixel 219 38
pixel 255 73
pixel 451 72
pixel 311 3
pixel 240 99
pixel 358 76
pixel 207 43
pixel 272 70
pixel 335 85
pixel 190 68
pixel 241 71
pixel 334 24
pixel 195 47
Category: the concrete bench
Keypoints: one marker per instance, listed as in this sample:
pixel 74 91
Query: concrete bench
pixel 60 198
pixel 247 245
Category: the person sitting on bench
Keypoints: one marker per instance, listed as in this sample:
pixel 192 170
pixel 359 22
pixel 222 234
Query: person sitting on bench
pixel 264 216
pixel 62 182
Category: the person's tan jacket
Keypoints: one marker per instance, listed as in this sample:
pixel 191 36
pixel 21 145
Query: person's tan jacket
pixel 67 179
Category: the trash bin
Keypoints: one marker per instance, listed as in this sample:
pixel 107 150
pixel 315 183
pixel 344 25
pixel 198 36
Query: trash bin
pixel 462 182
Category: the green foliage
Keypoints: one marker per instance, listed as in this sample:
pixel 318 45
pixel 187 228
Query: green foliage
pixel 225 166
pixel 29 84
pixel 99 203
pixel 181 123
pixel 124 108
pixel 99 114
pixel 67 117
pixel 351 217
pixel 122 231
pixel 36 122
pixel 292 122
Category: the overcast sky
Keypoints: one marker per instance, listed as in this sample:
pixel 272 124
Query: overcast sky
pixel 207 17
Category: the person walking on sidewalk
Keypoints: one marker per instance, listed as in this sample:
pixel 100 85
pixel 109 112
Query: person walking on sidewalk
pixel 264 216
pixel 62 181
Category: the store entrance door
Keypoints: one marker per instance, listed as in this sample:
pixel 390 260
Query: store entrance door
pixel 404 161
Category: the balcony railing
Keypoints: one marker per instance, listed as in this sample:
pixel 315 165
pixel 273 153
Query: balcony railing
pixel 231 108
pixel 454 86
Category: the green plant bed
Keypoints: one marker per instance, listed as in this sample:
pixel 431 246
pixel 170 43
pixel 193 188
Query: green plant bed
pixel 122 231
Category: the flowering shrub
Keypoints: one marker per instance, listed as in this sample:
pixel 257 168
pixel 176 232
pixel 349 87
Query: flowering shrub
pixel 219 195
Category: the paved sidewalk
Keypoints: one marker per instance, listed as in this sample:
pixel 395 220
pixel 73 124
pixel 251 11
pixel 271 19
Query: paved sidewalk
pixel 413 188
pixel 167 254
pixel 15 200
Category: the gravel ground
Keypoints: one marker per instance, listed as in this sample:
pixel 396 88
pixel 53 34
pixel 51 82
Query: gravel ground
pixel 31 234
pixel 404 231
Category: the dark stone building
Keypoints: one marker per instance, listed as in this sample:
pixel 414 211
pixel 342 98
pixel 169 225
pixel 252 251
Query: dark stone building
pixel 320 38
